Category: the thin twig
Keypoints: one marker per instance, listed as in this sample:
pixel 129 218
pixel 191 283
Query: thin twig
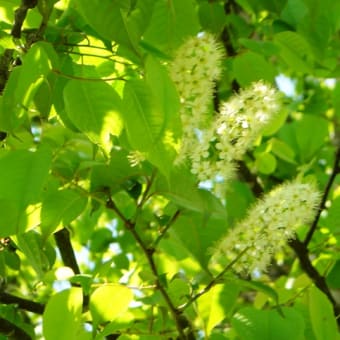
pixel 214 281
pixel 148 252
pixel 326 192
pixel 69 76
pixel 166 228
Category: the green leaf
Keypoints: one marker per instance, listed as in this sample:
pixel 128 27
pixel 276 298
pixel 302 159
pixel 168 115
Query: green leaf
pixel 115 174
pixel 282 150
pixel 250 67
pixel 261 287
pixel 198 234
pixel 253 324
pixel 110 21
pixel 62 315
pixel 309 138
pixel 212 16
pixel 145 126
pixel 61 206
pixel 321 314
pixel 265 163
pixel 171 22
pixel 165 99
pixel 217 304
pixel 238 197
pixel 22 177
pixel 21 87
pixel 31 245
pixel 333 278
pixel 266 48
pixel 181 187
pixel 109 301
pixel 95 109
pixel 179 291
pixel 294 50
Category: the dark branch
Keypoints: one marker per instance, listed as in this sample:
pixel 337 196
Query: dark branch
pixel 331 179
pixel 12 331
pixel 148 252
pixel 62 238
pixel 302 253
pixel 20 16
pixel 28 305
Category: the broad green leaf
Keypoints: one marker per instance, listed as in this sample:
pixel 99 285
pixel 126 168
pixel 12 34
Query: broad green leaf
pixel 266 48
pixel 109 301
pixel 281 150
pixel 275 123
pixel 181 187
pixel 217 304
pixel 62 315
pixel 250 67
pixel 31 245
pixel 265 163
pixel 253 324
pixel 21 87
pixel 322 316
pixel 146 127
pixel 115 174
pixel 179 291
pixel 198 234
pixel 22 177
pixel 62 206
pixel 309 138
pixel 331 220
pixel 238 199
pixel 294 12
pixel 171 22
pixel 212 16
pixel 263 288
pixel 112 21
pixel 95 109
pixel 333 278
pixel 294 50
pixel 165 99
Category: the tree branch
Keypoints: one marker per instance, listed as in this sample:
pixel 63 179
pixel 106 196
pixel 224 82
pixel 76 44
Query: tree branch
pixel 12 331
pixel 301 251
pixel 148 252
pixel 62 238
pixel 331 179
pixel 20 16
pixel 28 305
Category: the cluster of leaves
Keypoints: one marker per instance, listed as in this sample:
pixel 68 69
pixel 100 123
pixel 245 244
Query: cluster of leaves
pixel 93 246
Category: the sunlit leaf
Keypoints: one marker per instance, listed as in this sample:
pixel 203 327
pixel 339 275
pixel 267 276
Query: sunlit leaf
pixel 321 314
pixel 95 109
pixel 109 301
pixel 62 315
pixel 22 177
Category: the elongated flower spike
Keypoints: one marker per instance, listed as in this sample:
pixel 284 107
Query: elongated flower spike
pixel 197 64
pixel 272 221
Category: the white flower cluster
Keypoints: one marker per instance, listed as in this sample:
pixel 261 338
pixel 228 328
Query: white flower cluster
pixel 269 224
pixel 196 65
pixel 212 148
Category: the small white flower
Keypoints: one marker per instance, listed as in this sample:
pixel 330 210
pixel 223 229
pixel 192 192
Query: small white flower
pixel 270 223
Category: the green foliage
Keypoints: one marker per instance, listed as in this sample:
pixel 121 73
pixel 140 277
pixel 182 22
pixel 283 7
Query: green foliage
pixel 104 233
